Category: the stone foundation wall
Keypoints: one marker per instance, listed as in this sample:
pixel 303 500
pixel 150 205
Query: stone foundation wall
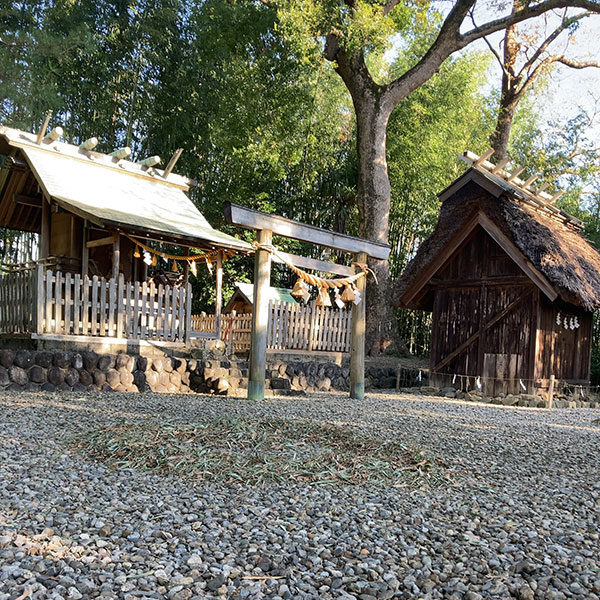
pixel 88 371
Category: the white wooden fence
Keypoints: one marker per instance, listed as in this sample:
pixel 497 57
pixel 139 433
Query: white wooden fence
pixel 290 327
pixel 66 304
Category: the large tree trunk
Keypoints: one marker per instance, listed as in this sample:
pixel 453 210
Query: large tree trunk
pixel 374 212
pixel 509 92
pixel 501 134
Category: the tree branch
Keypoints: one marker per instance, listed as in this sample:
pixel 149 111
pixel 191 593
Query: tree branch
pixel 576 64
pixel 444 45
pixel 389 5
pixel 523 15
pixel 566 23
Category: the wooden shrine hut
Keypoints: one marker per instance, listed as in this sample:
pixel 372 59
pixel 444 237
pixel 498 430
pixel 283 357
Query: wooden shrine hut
pixel 99 217
pixel 243 297
pixel 511 283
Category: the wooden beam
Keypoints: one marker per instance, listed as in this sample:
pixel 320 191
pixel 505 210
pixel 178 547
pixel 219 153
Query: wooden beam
pixel 504 280
pixel 219 294
pixel 484 157
pixel 254 219
pixel 260 317
pixel 28 200
pixel 171 164
pixel 357 340
pixel 515 174
pixel 105 241
pixel 313 264
pixel 499 166
pixel 529 269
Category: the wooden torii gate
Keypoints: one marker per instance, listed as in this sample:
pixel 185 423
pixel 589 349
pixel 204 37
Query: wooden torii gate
pixel 268 225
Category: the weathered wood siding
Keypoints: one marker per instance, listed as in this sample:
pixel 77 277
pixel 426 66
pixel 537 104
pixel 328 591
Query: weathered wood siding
pixel 484 316
pixel 563 352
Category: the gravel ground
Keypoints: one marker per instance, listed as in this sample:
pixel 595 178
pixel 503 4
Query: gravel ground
pixel 519 515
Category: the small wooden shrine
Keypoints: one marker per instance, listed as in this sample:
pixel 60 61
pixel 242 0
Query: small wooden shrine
pixel 511 283
pixel 102 221
pixel 243 298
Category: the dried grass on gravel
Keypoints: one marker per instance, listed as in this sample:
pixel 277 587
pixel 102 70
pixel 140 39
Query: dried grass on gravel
pixel 258 451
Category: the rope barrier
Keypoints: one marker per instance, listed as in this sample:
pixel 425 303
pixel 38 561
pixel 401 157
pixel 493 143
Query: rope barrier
pixel 476 382
pixel 314 280
pixel 193 258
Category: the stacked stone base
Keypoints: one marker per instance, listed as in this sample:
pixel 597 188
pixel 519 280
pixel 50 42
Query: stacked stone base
pixel 87 371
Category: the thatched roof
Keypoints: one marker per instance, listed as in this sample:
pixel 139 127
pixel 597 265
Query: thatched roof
pixel 107 191
pixel 553 247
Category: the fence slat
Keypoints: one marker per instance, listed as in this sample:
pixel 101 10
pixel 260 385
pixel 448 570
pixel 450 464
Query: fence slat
pixel 68 303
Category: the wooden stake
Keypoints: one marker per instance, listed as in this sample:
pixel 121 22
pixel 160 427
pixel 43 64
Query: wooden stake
pixel 357 349
pixel 219 293
pixel 260 315
pixel 116 257
pixel 43 128
pixel 551 392
pixel 171 164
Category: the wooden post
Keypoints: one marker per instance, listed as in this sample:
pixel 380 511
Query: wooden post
pixel 357 350
pixel 85 252
pixel 116 256
pixel 260 314
pixel 219 293
pixel 45 230
pixel 186 267
pixel 551 392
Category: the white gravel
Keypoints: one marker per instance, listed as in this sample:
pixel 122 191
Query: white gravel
pixel 519 516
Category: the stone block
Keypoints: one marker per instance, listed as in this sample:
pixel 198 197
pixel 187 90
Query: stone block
pixel 6 358
pixel 71 376
pixel 43 359
pixel 106 362
pixel 23 359
pixel 37 374
pixel 77 361
pixel 90 361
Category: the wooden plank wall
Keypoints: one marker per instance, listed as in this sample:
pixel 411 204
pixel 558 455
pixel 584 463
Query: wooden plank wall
pixel 98 307
pixel 563 352
pixel 290 327
pixel 475 286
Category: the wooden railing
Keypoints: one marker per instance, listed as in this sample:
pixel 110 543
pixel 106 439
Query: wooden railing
pixel 235 329
pixel 290 327
pixel 47 302
pixel 18 305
